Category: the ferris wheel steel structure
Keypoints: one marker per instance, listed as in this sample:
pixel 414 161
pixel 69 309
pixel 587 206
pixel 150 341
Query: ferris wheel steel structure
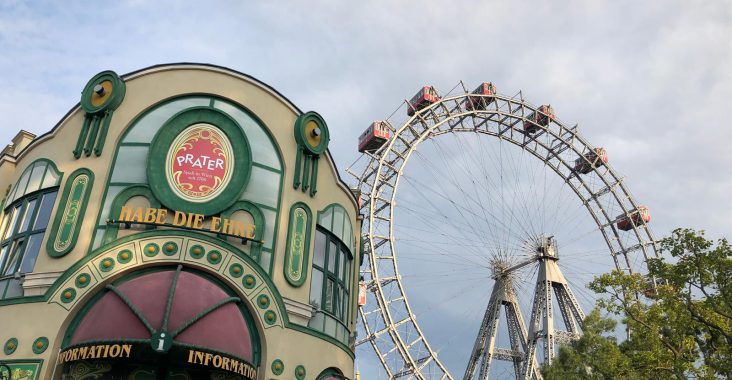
pixel 388 322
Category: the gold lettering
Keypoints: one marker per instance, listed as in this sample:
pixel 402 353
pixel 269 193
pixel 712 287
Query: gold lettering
pixel 208 359
pixel 215 363
pixel 199 358
pixel 179 219
pixel 190 356
pixel 215 221
pixel 250 231
pixel 162 213
pixel 114 351
pixel 226 226
pixel 106 351
pixel 137 215
pixel 83 351
pixel 99 351
pixel 126 349
pixel 225 364
pixel 150 215
pixel 124 214
pixel 198 221
pixel 239 228
pixel 189 224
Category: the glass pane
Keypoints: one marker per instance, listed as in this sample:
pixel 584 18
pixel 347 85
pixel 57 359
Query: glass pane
pixel 14 289
pixel 13 221
pixel 270 220
pixel 339 303
pixel 316 289
pixel 342 266
pixel 3 285
pixel 317 321
pixel 319 250
pixel 328 301
pixel 22 182
pixel 131 165
pixel 263 151
pixel 265 260
pixel 263 187
pixel 338 222
pixel 332 253
pixel 27 215
pixel 6 217
pixel 15 254
pixel 146 128
pixel 326 219
pixel 44 212
pixel 348 234
pixel 31 253
pixel 3 256
pixel 36 176
pixel 51 178
pixel 330 326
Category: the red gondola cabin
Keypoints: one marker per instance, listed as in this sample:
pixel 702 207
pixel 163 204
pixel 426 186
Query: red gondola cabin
pixel 423 98
pixel 374 137
pixel 541 117
pixel 488 90
pixel 639 216
pixel 590 160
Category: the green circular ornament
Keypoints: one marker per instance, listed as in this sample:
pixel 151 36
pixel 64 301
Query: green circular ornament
pixel 278 367
pixel 83 280
pixel 270 317
pixel 69 294
pixel 170 248
pixel 151 250
pixel 236 270
pixel 10 346
pixel 40 345
pixel 124 256
pixel 249 281
pixel 214 257
pixel 196 251
pixel 104 92
pixel 311 133
pixel 300 372
pixel 106 265
pixel 263 301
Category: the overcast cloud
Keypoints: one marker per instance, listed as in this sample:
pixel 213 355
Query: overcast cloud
pixel 650 81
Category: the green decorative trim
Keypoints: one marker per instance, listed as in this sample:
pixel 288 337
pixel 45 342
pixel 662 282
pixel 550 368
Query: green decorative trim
pixel 10 346
pixel 214 257
pixel 68 295
pixel 120 200
pixel 70 213
pixel 106 265
pixel 242 165
pixel 112 102
pixel 301 133
pixel 270 317
pixel 83 280
pixel 40 345
pixel 124 256
pixel 170 248
pixel 151 250
pixel 196 251
pixel 30 368
pixel 299 230
pixel 300 372
pixel 278 367
pixel 236 270
pixel 249 281
pixel 259 223
pixel 263 301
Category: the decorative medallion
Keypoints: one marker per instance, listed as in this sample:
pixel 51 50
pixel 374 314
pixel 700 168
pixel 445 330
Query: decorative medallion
pixel 193 160
pixel 312 137
pixel 298 244
pixel 101 96
pixel 67 222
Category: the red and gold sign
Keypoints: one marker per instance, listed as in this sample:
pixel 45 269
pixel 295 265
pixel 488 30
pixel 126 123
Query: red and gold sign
pixel 199 163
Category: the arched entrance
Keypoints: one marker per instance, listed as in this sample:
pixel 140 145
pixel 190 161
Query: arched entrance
pixel 163 323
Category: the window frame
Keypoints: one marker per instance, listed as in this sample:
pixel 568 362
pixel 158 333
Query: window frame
pixel 15 215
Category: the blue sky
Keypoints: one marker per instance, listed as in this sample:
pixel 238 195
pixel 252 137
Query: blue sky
pixel 650 81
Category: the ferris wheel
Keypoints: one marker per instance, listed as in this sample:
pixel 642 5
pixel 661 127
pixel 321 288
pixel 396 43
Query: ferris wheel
pixel 505 215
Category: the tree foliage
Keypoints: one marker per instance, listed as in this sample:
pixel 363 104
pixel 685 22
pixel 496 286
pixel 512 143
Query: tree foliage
pixel 681 329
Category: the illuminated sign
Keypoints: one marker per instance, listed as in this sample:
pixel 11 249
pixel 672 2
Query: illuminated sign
pixel 161 217
pixel 199 163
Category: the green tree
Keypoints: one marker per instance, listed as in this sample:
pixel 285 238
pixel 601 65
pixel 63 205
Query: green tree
pixel 682 329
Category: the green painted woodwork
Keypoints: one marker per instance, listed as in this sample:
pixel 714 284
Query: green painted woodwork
pixel 278 367
pixel 298 244
pixel 10 346
pixel 120 200
pixel 242 165
pixel 70 213
pixel 40 345
pixel 99 110
pixel 309 148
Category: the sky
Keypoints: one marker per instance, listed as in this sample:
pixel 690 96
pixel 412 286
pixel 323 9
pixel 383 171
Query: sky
pixel 647 80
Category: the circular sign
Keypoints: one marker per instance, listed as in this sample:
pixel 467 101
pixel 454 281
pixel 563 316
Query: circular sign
pixel 312 133
pixel 199 162
pixel 104 92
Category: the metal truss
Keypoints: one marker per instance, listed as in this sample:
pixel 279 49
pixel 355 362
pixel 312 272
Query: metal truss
pixel 387 321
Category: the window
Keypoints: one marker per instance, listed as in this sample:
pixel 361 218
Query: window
pixel 24 222
pixel 330 285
